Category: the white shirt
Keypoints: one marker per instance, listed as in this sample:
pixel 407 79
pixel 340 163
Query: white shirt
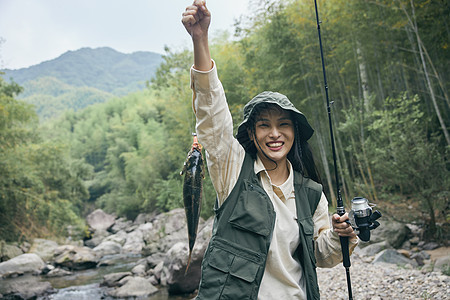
pixel 282 277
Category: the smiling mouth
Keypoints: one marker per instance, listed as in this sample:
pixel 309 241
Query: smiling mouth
pixel 275 145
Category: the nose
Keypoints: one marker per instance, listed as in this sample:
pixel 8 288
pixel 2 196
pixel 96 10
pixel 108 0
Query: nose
pixel 274 132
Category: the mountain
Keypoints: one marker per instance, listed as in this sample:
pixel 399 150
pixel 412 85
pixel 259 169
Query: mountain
pixel 83 77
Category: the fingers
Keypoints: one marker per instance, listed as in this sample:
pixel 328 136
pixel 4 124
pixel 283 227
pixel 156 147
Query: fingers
pixel 190 16
pixel 341 227
pixel 197 10
pixel 202 5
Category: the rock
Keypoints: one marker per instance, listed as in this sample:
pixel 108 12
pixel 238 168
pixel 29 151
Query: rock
pixel 133 287
pixel 155 259
pixel 430 246
pixel 173 273
pixel 393 232
pixel 107 248
pixel 107 262
pixel 119 237
pixel 420 257
pixel 153 280
pixel 144 218
pixel 427 267
pixel 443 264
pixel 97 238
pixel 177 281
pixel 139 270
pixel 75 258
pixel 25 287
pixel 113 279
pixel 25 263
pixel 134 242
pixel 44 248
pixel 121 224
pixel 46 269
pixel 415 240
pixel 382 281
pixel 372 249
pixel 8 251
pixel 175 276
pixel 167 229
pixel 157 271
pixel 406 245
pixel 25 247
pixel 392 256
pixel 99 220
pixel 404 252
pixel 57 272
pixel 425 255
pixel 150 249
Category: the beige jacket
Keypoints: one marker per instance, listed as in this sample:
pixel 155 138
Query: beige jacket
pixel 283 274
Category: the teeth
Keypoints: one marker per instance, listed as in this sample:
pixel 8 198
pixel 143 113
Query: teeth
pixel 274 145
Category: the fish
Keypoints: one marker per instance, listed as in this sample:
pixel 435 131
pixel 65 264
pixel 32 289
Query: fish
pixel 193 171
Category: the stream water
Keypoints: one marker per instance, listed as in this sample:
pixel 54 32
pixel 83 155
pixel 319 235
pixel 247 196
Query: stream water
pixel 85 284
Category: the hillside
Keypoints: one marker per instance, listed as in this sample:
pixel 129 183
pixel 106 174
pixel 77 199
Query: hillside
pixel 80 78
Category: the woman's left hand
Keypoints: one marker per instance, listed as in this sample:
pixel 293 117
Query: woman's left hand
pixel 341 227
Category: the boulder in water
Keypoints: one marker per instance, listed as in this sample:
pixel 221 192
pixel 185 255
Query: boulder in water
pixel 133 287
pixel 111 280
pixel 25 287
pixel 75 258
pixel 25 263
pixel 107 248
pixel 44 248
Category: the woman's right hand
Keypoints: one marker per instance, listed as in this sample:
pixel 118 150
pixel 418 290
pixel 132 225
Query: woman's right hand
pixel 196 19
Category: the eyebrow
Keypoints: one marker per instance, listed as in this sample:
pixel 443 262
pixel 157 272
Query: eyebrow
pixel 266 120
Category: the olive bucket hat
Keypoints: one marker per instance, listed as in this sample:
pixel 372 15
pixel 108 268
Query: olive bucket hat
pixel 305 130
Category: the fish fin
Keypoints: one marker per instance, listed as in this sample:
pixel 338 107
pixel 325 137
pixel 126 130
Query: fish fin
pixel 188 263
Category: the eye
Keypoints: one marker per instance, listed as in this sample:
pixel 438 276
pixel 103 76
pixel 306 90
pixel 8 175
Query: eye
pixel 262 125
pixel 285 124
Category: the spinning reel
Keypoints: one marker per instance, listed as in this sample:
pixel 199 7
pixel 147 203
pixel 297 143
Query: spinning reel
pixel 363 218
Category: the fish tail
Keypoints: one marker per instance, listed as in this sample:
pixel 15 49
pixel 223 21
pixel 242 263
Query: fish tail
pixel 188 263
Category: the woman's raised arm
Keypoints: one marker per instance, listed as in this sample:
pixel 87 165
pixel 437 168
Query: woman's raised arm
pixel 196 20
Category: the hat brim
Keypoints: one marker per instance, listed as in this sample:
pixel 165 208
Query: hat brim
pixel 305 130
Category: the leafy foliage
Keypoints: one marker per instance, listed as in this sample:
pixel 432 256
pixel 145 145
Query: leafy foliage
pixel 40 186
pixel 387 66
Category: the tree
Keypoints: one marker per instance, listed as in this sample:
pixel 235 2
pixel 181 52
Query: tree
pixel 40 192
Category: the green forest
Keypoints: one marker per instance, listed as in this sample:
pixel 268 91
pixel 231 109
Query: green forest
pixel 388 65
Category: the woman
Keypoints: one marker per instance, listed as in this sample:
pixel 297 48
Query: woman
pixel 271 227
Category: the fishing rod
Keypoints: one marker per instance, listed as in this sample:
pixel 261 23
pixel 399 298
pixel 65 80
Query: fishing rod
pixel 361 217
pixel 339 202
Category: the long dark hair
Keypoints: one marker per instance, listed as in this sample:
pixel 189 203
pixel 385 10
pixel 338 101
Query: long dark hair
pixel 300 155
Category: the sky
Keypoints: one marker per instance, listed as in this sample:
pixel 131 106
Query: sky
pixel 33 31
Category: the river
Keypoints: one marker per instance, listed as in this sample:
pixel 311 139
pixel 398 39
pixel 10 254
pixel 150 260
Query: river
pixel 85 284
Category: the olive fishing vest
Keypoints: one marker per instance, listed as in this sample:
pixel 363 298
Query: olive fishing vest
pixel 235 260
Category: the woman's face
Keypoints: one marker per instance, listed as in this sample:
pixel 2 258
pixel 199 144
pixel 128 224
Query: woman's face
pixel 274 135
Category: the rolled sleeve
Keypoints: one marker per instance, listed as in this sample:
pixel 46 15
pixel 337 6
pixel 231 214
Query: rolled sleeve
pixel 215 130
pixel 328 246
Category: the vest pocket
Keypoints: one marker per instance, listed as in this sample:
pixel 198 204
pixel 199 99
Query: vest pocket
pixel 230 274
pixel 252 212
pixel 307 227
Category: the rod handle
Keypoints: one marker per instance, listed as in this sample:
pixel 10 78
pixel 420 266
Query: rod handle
pixel 345 251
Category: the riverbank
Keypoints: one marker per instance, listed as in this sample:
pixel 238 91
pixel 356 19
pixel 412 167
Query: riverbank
pixel 147 259
pixel 381 281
